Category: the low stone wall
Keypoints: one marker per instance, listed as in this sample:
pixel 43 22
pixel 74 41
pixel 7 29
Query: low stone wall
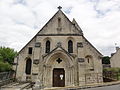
pixel 93 78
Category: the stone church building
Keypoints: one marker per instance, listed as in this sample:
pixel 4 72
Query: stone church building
pixel 59 55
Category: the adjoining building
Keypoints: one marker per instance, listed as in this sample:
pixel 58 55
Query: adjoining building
pixel 59 55
pixel 115 58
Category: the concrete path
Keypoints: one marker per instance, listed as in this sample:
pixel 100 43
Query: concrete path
pixel 102 86
pixel 113 87
pixel 14 86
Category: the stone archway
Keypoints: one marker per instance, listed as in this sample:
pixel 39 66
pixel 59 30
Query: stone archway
pixel 59 54
pixel 65 64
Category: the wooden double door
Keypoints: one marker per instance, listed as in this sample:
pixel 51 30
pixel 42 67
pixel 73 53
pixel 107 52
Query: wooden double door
pixel 58 77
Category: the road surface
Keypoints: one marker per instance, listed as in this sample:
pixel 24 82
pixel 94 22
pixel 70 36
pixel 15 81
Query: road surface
pixel 113 87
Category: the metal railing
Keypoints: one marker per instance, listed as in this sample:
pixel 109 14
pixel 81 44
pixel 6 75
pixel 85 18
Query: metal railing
pixel 6 77
pixel 113 76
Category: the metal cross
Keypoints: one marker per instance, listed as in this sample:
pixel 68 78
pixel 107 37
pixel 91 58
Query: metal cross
pixel 59 60
pixel 59 7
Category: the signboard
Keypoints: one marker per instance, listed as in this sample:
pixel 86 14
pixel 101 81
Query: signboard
pixel 37 44
pixel 81 60
pixel 36 61
pixel 80 44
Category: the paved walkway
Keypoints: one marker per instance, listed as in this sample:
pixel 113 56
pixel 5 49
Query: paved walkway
pixel 113 87
pixel 14 86
pixel 102 86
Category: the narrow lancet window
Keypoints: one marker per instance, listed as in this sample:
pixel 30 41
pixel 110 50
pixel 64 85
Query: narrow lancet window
pixel 47 47
pixel 70 46
pixel 59 22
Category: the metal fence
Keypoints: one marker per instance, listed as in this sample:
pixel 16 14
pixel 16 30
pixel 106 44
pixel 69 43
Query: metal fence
pixel 113 76
pixel 6 77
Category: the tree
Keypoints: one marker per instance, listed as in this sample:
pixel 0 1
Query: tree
pixel 7 54
pixel 106 60
pixel 6 58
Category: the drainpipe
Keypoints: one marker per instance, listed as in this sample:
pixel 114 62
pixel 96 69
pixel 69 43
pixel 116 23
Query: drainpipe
pixel 16 66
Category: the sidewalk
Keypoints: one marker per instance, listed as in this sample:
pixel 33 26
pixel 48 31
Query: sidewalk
pixel 95 85
pixel 14 86
pixel 17 86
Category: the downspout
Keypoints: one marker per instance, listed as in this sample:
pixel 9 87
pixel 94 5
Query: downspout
pixel 16 66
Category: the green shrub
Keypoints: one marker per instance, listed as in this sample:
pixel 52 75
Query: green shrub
pixel 106 60
pixel 117 70
pixel 113 73
pixel 5 67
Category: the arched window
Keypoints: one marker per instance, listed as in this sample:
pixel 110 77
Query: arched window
pixel 70 46
pixel 47 47
pixel 59 22
pixel 28 66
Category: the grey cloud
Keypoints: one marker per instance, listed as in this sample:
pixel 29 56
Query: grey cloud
pixel 20 21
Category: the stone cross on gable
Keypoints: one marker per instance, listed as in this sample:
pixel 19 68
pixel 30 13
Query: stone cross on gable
pixel 59 7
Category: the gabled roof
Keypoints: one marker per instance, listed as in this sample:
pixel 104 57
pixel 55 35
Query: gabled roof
pixel 39 32
pixel 59 48
pixel 93 46
pixel 74 24
pixel 51 25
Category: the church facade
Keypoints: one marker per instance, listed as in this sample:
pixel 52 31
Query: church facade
pixel 59 55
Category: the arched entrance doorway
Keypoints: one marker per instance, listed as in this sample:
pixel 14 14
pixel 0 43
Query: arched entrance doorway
pixel 58 77
pixel 58 69
pixel 28 66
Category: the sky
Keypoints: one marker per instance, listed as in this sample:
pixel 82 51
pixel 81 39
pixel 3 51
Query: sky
pixel 20 20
